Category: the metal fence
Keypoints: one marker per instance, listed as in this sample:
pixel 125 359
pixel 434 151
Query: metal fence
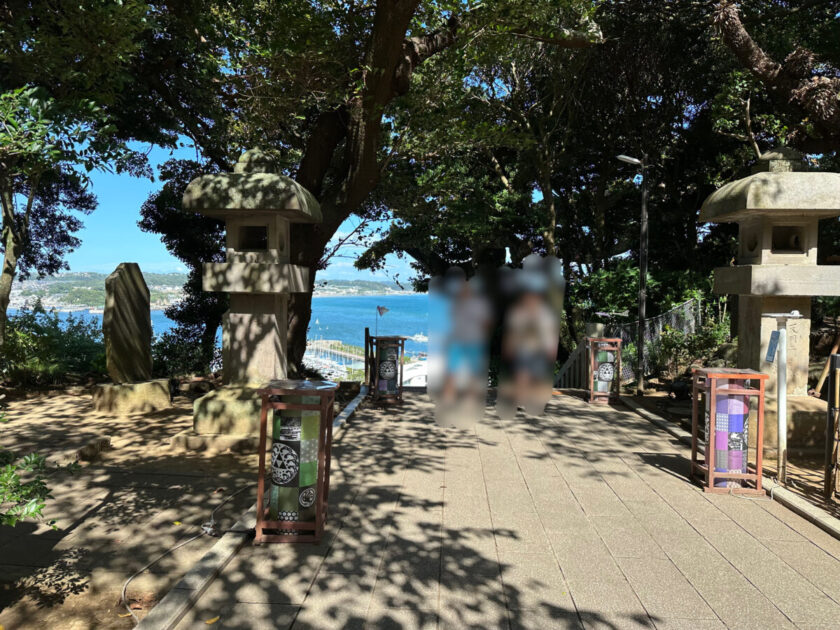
pixel 686 318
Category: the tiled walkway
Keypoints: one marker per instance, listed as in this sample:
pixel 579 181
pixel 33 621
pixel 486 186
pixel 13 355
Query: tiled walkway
pixel 581 518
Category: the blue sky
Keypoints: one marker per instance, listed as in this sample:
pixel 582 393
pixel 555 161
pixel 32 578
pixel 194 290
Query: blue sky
pixel 111 234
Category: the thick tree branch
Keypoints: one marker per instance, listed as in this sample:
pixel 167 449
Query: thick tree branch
pixel 329 130
pixel 416 50
pixel 793 84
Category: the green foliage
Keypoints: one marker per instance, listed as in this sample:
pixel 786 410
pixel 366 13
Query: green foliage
pixel 178 352
pixel 616 288
pixel 43 348
pixel 674 351
pixel 23 491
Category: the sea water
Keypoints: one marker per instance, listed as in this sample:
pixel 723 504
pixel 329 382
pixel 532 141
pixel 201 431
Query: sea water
pixel 341 318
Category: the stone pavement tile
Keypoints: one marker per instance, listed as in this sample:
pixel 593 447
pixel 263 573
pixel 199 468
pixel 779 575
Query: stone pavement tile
pixel 581 549
pixel 731 595
pixel 416 588
pixel 519 533
pixel 814 563
pixel 359 553
pixel 285 587
pixel 630 487
pixel 597 499
pixel 508 504
pixel 808 530
pixel 788 590
pixel 695 508
pixel 663 590
pixel 533 580
pixel 336 601
pixel 233 616
pixel 545 618
pixel 630 620
pixel 750 515
pixel 688 624
pixel 401 619
pixel 462 518
pixel 603 592
pixel 626 538
pixel 32 551
pixel 472 600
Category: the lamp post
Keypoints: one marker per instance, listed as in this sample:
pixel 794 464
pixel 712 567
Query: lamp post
pixel 643 263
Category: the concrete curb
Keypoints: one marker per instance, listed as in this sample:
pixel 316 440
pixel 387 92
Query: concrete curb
pixel 790 500
pixel 184 595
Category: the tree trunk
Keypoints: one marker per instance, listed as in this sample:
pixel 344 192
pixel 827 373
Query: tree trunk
pixel 548 200
pixel 7 276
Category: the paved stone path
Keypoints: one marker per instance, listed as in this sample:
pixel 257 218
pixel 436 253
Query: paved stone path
pixel 579 519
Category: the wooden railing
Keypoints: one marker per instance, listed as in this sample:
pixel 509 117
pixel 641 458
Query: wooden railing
pixel 572 374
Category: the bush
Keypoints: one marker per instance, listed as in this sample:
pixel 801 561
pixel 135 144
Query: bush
pixel 675 351
pixel 178 352
pixel 43 348
pixel 21 499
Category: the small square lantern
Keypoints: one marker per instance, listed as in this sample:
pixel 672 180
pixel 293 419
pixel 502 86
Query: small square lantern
pixel 384 358
pixel 604 377
pixel 730 401
pixel 293 489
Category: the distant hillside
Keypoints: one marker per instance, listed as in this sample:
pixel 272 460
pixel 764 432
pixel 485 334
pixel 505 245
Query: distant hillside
pixel 87 289
pixel 355 287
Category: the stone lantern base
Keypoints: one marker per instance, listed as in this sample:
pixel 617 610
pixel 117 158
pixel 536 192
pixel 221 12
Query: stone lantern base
pixel 225 418
pixel 806 425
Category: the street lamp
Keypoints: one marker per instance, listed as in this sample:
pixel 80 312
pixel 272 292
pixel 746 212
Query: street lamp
pixel 643 254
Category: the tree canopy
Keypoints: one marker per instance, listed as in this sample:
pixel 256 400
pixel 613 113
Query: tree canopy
pixel 473 129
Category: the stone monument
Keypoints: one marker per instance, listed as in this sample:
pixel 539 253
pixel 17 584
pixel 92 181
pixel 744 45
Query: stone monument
pixel 257 204
pixel 778 209
pixel 127 329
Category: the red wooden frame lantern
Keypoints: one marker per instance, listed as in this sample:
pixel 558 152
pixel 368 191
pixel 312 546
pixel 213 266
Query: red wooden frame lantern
pixel 298 491
pixel 384 362
pixel 726 395
pixel 604 373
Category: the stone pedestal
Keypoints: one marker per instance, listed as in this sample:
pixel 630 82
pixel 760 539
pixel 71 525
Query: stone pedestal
pixel 754 338
pixel 227 418
pixel 130 398
pixel 805 421
pixel 254 338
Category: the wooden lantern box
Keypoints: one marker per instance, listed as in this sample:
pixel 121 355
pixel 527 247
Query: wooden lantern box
pixel 725 398
pixel 604 374
pixel 292 493
pixel 384 359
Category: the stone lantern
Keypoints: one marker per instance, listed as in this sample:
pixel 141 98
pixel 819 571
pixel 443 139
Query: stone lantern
pixel 258 206
pixel 778 209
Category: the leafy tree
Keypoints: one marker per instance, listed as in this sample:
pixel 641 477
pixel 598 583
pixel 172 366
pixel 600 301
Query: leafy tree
pixel 193 239
pixel 804 87
pixel 41 147
pixel 317 83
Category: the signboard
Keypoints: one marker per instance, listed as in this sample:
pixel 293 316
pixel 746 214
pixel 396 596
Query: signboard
pixel 772 346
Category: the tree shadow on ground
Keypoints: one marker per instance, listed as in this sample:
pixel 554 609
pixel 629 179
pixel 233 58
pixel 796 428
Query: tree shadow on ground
pixel 389 559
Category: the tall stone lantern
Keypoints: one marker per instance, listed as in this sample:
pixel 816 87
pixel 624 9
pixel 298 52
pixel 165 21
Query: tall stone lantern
pixel 778 209
pixel 258 206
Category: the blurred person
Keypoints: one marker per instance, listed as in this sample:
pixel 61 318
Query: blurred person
pixel 530 337
pixel 464 382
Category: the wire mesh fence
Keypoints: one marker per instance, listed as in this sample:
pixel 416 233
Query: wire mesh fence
pixel 686 318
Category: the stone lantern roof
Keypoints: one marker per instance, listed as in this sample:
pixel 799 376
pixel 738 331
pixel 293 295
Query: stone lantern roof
pixel 777 189
pixel 255 187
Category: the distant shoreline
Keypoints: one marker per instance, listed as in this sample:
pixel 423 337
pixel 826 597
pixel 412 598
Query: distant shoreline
pixel 352 295
pixel 87 309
